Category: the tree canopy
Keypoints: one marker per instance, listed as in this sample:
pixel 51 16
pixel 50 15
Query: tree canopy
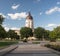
pixel 1 19
pixel 12 34
pixel 26 32
pixel 41 33
pixel 55 33
pixel 2 32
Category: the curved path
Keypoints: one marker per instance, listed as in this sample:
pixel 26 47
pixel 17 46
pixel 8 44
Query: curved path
pixel 31 50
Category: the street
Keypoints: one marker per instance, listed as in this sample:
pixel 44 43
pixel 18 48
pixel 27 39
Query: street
pixel 31 50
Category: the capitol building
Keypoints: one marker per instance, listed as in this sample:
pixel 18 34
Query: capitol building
pixel 29 21
pixel 29 24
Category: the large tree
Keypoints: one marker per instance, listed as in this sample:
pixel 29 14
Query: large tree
pixel 46 34
pixel 1 19
pixel 26 32
pixel 55 33
pixel 52 35
pixel 2 32
pixel 38 32
pixel 41 33
pixel 12 34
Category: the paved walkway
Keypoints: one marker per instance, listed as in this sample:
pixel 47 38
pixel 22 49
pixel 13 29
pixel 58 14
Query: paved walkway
pixel 31 50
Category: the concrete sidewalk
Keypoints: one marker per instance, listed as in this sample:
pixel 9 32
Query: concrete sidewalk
pixel 8 49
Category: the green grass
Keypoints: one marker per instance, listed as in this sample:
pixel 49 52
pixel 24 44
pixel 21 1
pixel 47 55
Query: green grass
pixel 4 43
pixel 36 42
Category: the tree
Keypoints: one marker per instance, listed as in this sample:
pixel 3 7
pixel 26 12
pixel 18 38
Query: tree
pixel 39 33
pixel 1 19
pixel 46 34
pixel 55 34
pixel 2 32
pixel 52 36
pixel 26 32
pixel 12 34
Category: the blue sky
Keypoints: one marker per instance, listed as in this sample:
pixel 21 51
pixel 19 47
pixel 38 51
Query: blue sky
pixel 46 13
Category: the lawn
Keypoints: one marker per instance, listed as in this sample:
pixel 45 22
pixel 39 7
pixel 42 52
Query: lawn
pixel 7 43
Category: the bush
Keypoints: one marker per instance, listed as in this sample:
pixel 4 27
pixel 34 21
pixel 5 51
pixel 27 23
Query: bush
pixel 24 40
pixel 55 47
pixel 47 45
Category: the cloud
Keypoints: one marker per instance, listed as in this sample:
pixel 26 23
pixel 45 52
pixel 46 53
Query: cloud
pixel 15 6
pixel 7 28
pixel 12 28
pixel 17 15
pixel 3 15
pixel 15 28
pixel 40 13
pixel 58 3
pixel 36 1
pixel 52 10
pixel 51 25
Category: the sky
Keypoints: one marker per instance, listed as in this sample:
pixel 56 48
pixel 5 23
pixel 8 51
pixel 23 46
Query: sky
pixel 45 13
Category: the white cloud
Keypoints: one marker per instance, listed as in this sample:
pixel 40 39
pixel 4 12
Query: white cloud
pixel 6 28
pixel 40 13
pixel 18 15
pixel 15 6
pixel 51 25
pixel 58 3
pixel 12 28
pixel 55 9
pixel 3 15
pixel 15 28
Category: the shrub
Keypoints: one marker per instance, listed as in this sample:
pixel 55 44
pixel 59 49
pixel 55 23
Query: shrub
pixel 55 47
pixel 24 40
